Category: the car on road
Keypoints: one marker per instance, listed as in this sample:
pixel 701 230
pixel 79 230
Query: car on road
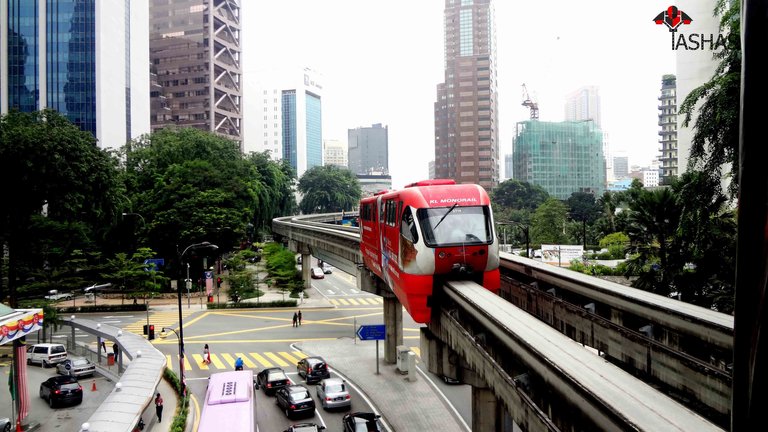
pixel 295 400
pixel 76 366
pixel 317 273
pixel 305 427
pixel 47 354
pixel 313 369
pixel 333 393
pixel 272 379
pixel 5 424
pixel 327 269
pixel 61 389
pixel 361 422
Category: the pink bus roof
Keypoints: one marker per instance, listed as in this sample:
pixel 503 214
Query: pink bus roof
pixel 229 403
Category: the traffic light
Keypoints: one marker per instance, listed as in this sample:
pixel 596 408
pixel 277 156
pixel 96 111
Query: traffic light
pixel 218 282
pixel 145 329
pixel 151 332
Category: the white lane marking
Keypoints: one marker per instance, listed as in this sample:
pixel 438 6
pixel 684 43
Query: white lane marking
pixel 354 291
pixel 111 322
pixel 331 292
pixel 117 316
pixel 448 403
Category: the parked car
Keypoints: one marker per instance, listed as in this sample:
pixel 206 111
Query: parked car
pixel 313 369
pixel 305 427
pixel 76 366
pixel 5 424
pixel 333 393
pixel 272 379
pixel 47 354
pixel 317 273
pixel 295 400
pixel 61 389
pixel 361 422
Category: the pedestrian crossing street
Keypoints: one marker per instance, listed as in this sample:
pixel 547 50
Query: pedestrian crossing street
pixel 360 301
pixel 251 360
pixel 160 319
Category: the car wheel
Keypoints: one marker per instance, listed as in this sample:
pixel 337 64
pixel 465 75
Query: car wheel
pixel 44 364
pixel 29 361
pixel 7 428
pixel 51 403
pixel 287 413
pixel 41 394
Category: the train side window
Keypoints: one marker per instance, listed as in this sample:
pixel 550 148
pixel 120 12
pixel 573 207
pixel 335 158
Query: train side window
pixel 408 226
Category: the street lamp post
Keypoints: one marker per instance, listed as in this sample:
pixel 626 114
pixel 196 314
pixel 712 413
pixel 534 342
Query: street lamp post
pixel 525 231
pixel 180 334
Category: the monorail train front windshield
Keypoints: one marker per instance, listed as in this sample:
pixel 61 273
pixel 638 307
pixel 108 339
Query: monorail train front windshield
pixel 452 226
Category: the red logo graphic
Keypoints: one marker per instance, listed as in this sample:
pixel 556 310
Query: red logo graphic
pixel 673 18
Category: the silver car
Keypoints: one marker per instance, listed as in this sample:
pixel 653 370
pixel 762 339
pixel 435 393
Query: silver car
pixel 76 366
pixel 333 393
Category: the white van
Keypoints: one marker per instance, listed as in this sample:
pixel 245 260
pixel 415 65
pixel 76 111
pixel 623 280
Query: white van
pixel 47 354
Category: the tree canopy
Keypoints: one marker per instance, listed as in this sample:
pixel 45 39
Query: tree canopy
pixel 519 195
pixel 327 189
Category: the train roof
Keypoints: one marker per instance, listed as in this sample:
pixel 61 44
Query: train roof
pixel 438 193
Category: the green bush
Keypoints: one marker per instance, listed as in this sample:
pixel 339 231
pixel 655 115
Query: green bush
pixel 272 304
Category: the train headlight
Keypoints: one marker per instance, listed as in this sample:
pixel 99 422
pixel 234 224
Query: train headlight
pixel 441 255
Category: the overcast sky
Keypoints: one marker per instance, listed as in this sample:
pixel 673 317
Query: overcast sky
pixel 381 61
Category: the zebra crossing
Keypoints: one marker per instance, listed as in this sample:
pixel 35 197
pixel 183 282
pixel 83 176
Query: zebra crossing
pixel 359 301
pixel 160 319
pixel 251 360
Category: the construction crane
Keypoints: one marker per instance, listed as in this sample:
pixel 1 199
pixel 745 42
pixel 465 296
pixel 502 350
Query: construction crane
pixel 530 103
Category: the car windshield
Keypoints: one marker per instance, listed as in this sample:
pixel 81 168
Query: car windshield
pixel 455 225
pixel 71 386
pixel 299 394
pixel 274 376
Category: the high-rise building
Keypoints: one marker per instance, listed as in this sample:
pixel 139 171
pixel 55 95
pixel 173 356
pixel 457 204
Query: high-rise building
pixel 668 129
pixel 368 149
pixel 334 153
pixel 583 104
pixel 302 123
pixel 86 59
pixel 466 125
pixel 563 157
pixel 508 166
pixel 196 70
pixel 431 169
pixel 620 167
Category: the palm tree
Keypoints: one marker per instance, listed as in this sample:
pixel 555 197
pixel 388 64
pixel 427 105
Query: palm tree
pixel 653 224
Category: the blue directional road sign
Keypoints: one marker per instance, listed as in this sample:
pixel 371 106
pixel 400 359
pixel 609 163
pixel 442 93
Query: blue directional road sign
pixel 154 263
pixel 372 332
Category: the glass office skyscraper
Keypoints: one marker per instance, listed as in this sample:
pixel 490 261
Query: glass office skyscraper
pixel 63 55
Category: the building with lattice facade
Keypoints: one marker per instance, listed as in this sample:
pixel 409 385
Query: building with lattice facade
pixel 196 71
pixel 561 157
pixel 668 129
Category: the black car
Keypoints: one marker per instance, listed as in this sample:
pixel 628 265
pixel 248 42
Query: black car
pixel 272 379
pixel 313 369
pixel 361 422
pixel 305 427
pixel 61 389
pixel 295 400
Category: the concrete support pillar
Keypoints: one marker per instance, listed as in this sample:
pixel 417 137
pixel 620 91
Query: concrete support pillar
pixel 485 410
pixel 306 267
pixel 393 320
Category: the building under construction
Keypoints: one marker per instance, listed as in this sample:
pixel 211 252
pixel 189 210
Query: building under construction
pixel 561 157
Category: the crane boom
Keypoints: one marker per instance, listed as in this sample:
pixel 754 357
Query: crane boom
pixel 530 103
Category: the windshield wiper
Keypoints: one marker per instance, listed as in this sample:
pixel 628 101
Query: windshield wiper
pixel 445 215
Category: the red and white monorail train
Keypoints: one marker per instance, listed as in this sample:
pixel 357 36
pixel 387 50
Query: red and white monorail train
pixel 433 229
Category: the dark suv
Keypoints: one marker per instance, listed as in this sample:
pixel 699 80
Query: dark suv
pixel 313 369
pixel 61 389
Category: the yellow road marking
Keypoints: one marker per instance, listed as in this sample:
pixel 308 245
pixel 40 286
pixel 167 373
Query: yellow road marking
pixel 276 359
pixel 354 302
pixel 187 366
pixel 289 357
pixel 344 302
pixel 335 302
pixel 299 354
pixel 216 362
pixel 259 358
pixel 229 359
pixel 416 350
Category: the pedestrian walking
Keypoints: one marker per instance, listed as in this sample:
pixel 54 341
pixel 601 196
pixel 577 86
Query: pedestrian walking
pixel 299 316
pixel 159 407
pixel 295 319
pixel 115 349
pixel 206 355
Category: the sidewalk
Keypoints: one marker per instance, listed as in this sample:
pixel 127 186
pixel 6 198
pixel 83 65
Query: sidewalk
pixel 170 400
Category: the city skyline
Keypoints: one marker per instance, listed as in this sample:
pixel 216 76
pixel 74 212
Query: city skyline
pixel 382 65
